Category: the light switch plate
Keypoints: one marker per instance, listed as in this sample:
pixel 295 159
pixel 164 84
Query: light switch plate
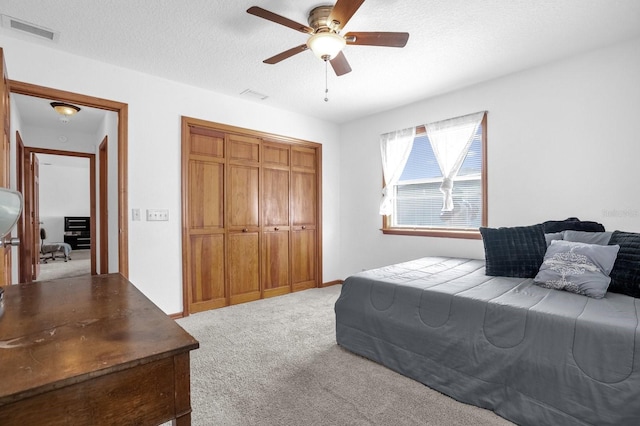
pixel 157 215
pixel 135 214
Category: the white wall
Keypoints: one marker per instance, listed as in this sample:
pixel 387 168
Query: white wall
pixel 64 191
pixel 40 137
pixel 155 108
pixel 562 141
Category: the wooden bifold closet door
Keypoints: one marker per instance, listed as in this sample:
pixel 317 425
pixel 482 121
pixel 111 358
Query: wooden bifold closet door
pixel 251 215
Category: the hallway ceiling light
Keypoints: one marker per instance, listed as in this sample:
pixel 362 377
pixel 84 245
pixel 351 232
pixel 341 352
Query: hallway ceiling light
pixel 64 109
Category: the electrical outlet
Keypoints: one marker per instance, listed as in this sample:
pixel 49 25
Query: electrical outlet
pixel 157 215
pixel 135 214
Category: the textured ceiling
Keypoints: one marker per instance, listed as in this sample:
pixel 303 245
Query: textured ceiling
pixel 216 45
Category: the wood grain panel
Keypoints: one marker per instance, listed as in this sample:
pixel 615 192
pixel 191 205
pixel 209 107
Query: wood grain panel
pixel 244 266
pixel 275 198
pixel 182 368
pixel 303 158
pixel 275 154
pixel 206 195
pixel 207 269
pixel 303 198
pixel 206 142
pixel 123 394
pixel 244 149
pixel 243 196
pixel 303 255
pixel 275 260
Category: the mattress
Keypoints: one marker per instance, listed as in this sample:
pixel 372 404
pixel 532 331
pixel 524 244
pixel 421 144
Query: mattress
pixel 533 355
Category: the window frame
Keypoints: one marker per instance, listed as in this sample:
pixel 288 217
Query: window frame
pixel 387 221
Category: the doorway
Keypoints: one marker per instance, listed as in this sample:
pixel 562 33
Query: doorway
pixel 121 111
pixel 60 194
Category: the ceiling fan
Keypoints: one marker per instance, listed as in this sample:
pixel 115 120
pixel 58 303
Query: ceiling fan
pixel 326 42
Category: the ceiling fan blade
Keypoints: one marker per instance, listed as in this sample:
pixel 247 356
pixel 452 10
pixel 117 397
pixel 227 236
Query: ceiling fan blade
pixel 270 16
pixel 286 54
pixel 343 11
pixel 377 39
pixel 340 64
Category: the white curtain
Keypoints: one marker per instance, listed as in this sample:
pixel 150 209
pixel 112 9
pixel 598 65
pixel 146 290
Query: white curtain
pixel 395 148
pixel 450 141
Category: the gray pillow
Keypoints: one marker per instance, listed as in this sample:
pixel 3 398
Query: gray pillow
pixel 552 237
pixel 600 238
pixel 577 267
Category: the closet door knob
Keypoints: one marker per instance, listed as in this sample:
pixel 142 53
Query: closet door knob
pixel 245 230
pixel 304 227
pixel 276 229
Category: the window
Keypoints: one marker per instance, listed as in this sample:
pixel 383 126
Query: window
pixel 420 207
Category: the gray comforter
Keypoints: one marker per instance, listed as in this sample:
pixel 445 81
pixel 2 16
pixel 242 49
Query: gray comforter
pixel 533 355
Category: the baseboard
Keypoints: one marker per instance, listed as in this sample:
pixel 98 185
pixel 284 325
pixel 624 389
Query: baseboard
pixel 176 316
pixel 330 283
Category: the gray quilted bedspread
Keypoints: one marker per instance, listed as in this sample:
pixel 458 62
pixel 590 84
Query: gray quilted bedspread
pixel 535 356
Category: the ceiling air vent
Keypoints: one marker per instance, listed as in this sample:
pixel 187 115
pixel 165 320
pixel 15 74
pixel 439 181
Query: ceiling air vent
pixel 253 94
pixel 26 27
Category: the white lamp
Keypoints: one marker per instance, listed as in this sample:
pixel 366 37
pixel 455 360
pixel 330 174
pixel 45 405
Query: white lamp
pixel 326 45
pixel 10 209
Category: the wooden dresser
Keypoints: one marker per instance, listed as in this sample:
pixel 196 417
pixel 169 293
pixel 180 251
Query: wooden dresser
pixel 91 351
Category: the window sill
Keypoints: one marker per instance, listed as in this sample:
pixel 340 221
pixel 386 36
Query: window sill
pixel 439 233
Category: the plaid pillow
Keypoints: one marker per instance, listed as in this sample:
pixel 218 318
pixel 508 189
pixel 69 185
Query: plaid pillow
pixel 514 252
pixel 625 275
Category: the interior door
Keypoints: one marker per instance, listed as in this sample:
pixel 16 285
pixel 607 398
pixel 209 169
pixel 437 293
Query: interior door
pixel 5 252
pixel 243 218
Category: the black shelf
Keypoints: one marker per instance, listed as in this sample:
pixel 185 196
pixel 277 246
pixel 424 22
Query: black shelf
pixel 77 232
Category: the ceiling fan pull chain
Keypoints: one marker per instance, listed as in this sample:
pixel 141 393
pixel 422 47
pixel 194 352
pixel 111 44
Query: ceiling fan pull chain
pixel 326 80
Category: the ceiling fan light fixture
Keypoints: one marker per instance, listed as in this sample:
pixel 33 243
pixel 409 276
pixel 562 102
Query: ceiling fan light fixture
pixel 64 109
pixel 326 45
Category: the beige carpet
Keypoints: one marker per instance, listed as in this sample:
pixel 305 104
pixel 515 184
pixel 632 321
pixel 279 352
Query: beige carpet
pixel 80 264
pixel 276 362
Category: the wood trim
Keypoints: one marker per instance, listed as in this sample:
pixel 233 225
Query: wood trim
pixel 176 316
pixel 225 128
pixel 26 245
pixel 92 190
pixel 485 174
pixel 445 233
pixel 122 110
pixel 186 247
pixel 123 190
pixel 92 211
pixel 23 267
pixel 319 216
pixel 331 283
pixel 103 185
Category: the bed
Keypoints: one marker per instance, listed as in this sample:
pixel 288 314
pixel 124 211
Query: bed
pixel 534 355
